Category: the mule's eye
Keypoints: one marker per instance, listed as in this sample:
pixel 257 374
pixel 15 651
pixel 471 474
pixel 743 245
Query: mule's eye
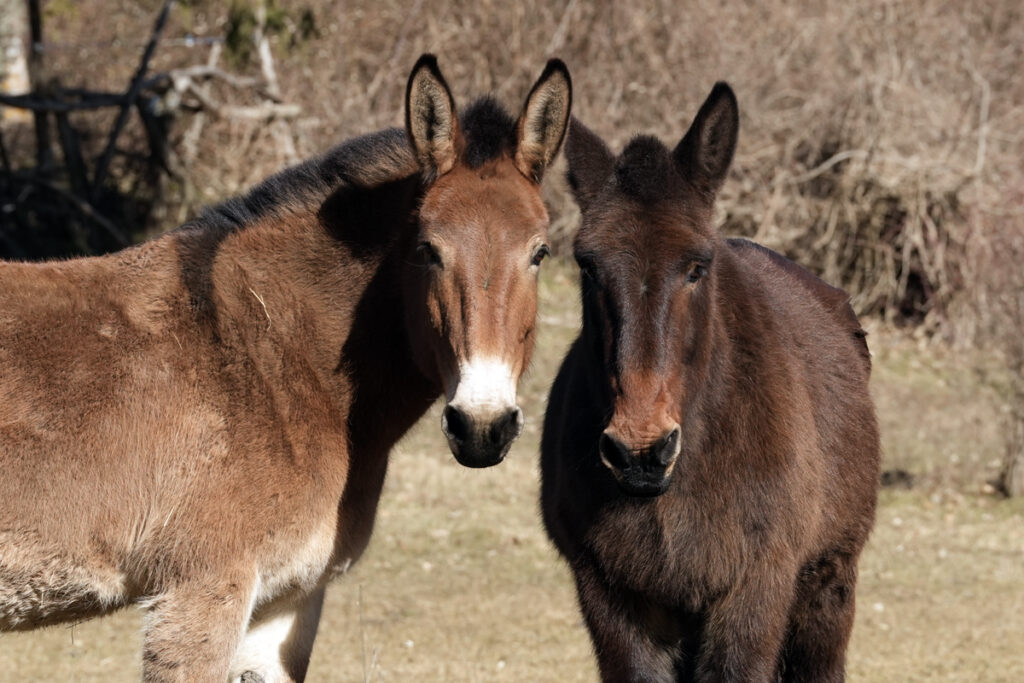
pixel 587 269
pixel 429 255
pixel 542 252
pixel 696 272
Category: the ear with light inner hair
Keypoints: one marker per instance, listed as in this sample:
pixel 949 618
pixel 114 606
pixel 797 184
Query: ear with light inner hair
pixel 543 121
pixel 430 118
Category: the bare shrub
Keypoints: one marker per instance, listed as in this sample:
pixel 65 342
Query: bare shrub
pixel 871 131
pixel 993 316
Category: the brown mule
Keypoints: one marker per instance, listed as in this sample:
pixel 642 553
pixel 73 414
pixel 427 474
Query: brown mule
pixel 201 424
pixel 710 453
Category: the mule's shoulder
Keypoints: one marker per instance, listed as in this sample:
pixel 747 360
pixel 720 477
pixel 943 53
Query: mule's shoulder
pixel 833 299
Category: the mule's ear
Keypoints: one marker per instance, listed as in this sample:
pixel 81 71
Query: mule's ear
pixel 430 118
pixel 590 163
pixel 544 119
pixel 706 151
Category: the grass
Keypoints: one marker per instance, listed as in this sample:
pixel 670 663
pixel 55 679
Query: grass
pixel 461 584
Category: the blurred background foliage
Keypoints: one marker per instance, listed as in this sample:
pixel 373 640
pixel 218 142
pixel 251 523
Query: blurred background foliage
pixel 880 141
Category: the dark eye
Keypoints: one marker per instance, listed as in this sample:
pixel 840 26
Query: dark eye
pixel 542 252
pixel 429 255
pixel 696 272
pixel 587 269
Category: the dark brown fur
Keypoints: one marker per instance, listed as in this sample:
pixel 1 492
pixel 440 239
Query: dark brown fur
pixel 201 424
pixel 710 453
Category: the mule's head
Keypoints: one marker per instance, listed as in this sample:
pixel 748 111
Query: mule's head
pixel 482 234
pixel 646 250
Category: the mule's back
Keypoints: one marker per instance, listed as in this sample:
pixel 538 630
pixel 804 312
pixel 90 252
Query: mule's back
pixel 783 275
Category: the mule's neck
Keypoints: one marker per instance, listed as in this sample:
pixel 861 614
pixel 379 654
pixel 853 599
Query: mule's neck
pixel 730 362
pixel 317 287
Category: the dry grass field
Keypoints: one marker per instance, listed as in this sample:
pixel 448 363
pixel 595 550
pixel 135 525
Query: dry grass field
pixel 461 584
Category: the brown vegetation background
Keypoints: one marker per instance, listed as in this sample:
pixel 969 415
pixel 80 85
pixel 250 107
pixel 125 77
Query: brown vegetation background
pixel 879 139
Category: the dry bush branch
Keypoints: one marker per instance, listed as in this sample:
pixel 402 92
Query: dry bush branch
pixel 867 141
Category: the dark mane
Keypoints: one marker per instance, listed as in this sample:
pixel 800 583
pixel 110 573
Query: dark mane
pixel 364 161
pixel 645 170
pixel 489 131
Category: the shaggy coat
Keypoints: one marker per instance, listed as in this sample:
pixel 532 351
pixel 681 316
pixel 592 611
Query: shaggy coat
pixel 710 453
pixel 201 424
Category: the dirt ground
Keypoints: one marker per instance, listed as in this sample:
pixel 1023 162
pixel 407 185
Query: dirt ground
pixel 461 584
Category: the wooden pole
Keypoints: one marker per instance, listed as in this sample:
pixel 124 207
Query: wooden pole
pixel 13 62
pixel 40 83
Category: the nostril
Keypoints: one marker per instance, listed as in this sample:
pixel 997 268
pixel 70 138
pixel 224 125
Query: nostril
pixel 614 452
pixel 455 424
pixel 507 427
pixel 668 447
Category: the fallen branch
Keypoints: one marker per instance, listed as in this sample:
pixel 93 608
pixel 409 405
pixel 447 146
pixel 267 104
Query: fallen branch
pixel 260 112
pixel 174 77
pixel 43 104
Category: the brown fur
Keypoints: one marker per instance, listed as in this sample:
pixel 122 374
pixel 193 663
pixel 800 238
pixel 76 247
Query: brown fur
pixel 710 453
pixel 201 424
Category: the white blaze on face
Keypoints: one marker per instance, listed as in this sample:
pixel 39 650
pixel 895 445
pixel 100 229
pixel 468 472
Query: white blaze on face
pixel 486 386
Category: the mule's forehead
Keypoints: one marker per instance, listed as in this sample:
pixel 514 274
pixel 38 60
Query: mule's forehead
pixel 495 201
pixel 636 234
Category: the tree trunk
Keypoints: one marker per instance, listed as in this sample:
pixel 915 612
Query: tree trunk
pixel 14 35
pixel 1012 480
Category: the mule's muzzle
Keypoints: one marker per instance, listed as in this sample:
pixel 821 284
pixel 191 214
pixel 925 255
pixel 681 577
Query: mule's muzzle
pixel 644 472
pixel 480 441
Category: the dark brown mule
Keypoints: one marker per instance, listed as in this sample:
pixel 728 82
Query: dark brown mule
pixel 201 424
pixel 710 452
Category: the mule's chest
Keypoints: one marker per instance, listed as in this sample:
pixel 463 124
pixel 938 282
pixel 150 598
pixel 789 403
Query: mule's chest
pixel 671 556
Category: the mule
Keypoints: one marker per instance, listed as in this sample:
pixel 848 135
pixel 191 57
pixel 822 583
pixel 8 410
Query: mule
pixel 201 424
pixel 710 453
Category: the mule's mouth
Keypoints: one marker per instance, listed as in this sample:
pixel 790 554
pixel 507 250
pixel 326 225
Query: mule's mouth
pixel 643 487
pixel 639 481
pixel 480 442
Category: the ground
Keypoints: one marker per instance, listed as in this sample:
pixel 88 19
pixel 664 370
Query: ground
pixel 461 584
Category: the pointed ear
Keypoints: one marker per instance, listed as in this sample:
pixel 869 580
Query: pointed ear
pixel 590 163
pixel 544 119
pixel 705 152
pixel 430 118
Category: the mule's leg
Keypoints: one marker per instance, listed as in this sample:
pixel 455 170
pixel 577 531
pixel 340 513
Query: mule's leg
pixel 744 630
pixel 629 645
pixel 277 647
pixel 821 622
pixel 193 629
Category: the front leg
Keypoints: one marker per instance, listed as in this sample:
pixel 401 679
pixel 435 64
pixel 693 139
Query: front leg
pixel 634 641
pixel 193 628
pixel 744 630
pixel 279 642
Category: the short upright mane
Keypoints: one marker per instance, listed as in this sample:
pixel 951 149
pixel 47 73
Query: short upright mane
pixel 489 131
pixel 645 170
